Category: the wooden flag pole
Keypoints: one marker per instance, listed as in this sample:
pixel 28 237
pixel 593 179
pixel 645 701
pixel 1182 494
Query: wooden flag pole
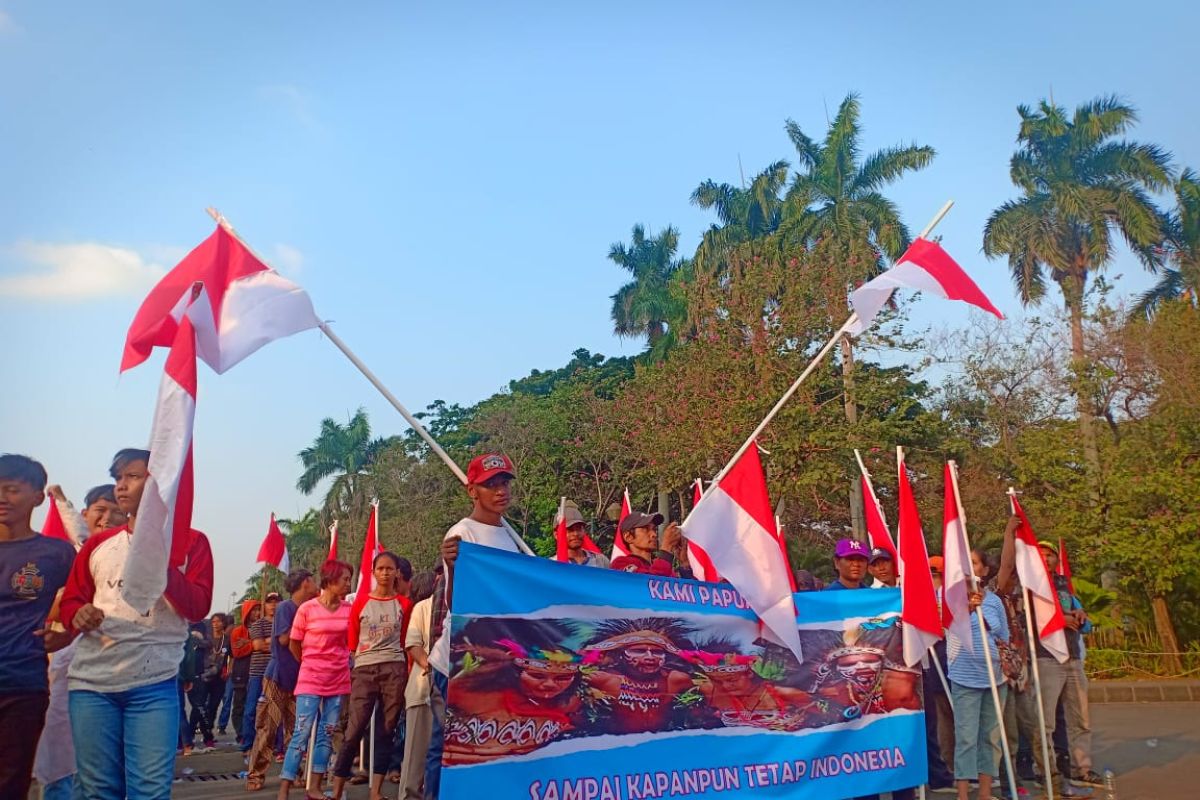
pixel 812 365
pixel 370 376
pixel 1030 631
pixel 984 633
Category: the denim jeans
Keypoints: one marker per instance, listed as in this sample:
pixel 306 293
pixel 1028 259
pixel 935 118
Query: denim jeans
pixel 253 693
pixel 226 705
pixel 123 745
pixel 976 732
pixel 62 789
pixel 433 759
pixel 312 710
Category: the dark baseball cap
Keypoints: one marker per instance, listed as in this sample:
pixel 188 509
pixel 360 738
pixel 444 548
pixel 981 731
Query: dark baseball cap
pixel 637 519
pixel 880 554
pixel 273 597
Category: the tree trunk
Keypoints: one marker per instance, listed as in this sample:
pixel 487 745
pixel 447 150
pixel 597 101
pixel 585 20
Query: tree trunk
pixel 857 523
pixel 1073 292
pixel 1166 635
pixel 664 506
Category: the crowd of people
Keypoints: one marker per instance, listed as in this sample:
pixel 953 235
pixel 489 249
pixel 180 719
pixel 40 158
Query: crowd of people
pixel 93 695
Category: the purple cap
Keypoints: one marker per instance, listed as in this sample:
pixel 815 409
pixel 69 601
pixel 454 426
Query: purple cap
pixel 848 548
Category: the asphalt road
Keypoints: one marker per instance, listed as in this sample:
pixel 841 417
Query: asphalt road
pixel 1154 749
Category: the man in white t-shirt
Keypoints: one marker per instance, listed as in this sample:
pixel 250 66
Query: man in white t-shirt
pixel 489 483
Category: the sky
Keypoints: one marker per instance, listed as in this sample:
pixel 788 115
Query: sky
pixel 445 179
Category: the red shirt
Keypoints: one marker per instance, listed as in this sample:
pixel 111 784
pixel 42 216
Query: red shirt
pixel 632 563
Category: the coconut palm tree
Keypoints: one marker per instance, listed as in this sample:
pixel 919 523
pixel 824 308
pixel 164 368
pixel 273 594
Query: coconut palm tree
pixel 835 205
pixel 1081 187
pixel 647 306
pixel 1181 278
pixel 341 452
pixel 745 214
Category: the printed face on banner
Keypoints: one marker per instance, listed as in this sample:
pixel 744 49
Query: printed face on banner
pixel 554 687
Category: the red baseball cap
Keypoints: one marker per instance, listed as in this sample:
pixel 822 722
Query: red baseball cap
pixel 488 466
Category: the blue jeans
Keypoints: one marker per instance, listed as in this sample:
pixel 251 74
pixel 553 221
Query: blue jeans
pixel 123 746
pixel 253 693
pixel 61 789
pixel 433 759
pixel 976 732
pixel 226 706
pixel 183 720
pixel 312 710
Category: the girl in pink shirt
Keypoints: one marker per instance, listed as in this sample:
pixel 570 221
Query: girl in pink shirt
pixel 319 639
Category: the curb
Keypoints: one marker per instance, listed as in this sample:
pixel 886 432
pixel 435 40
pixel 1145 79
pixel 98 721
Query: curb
pixel 1184 691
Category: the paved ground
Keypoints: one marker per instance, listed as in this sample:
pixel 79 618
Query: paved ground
pixel 1154 749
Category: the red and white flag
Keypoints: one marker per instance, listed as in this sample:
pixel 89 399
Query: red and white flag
pixel 273 549
pixel 366 571
pixel 918 602
pixel 619 549
pixel 1064 564
pixel 561 552
pixel 333 544
pixel 1043 599
pixel 958 576
pixel 54 527
pixel 877 527
pixel 701 564
pixel 162 531
pixel 244 305
pixel 925 266
pixel 734 524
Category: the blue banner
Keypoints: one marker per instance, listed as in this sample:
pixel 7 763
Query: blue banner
pixel 577 683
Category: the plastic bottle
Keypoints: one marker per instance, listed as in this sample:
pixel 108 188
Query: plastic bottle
pixel 1110 785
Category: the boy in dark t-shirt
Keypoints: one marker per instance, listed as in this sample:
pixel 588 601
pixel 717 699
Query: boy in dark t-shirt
pixel 32 570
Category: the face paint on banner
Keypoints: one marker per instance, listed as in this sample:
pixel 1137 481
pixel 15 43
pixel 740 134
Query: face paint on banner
pixel 590 684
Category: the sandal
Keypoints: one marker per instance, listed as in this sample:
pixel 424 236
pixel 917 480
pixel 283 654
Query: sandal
pixel 254 783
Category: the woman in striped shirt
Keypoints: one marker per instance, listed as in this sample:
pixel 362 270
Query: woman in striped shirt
pixel 319 640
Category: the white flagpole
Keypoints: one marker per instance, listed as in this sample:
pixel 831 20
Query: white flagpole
pixel 370 376
pixel 983 637
pixel 312 745
pixel 812 365
pixel 937 667
pixel 1037 678
pixel 371 769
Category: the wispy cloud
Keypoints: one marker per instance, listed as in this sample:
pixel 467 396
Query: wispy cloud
pixel 7 24
pixel 287 259
pixel 68 272
pixel 292 98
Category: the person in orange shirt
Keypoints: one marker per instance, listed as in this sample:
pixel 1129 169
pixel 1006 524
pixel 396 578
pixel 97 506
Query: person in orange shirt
pixel 241 647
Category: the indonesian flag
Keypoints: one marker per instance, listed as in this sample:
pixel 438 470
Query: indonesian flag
pixel 162 531
pixel 619 549
pixel 734 524
pixel 1064 565
pixel 957 572
pixel 877 527
pixel 273 549
pixel 333 541
pixel 1043 599
pixel 245 304
pixel 561 552
pixel 701 564
pixel 925 266
pixel 366 572
pixel 54 527
pixel 918 602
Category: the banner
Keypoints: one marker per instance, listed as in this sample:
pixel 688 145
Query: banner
pixel 576 683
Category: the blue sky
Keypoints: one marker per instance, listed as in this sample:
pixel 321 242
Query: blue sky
pixel 446 179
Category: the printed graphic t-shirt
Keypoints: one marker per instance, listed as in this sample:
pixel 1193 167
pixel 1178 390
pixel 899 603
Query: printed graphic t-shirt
pixel 31 573
pixel 325 661
pixel 380 622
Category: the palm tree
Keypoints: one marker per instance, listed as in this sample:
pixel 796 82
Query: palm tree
pixel 1080 185
pixel 1182 251
pixel 745 214
pixel 342 452
pixel 647 306
pixel 834 204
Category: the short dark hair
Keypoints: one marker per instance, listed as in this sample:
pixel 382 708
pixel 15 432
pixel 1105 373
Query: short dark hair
pixel 295 579
pixel 14 467
pixel 124 458
pixel 104 491
pixel 403 565
pixel 421 586
pixel 332 570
